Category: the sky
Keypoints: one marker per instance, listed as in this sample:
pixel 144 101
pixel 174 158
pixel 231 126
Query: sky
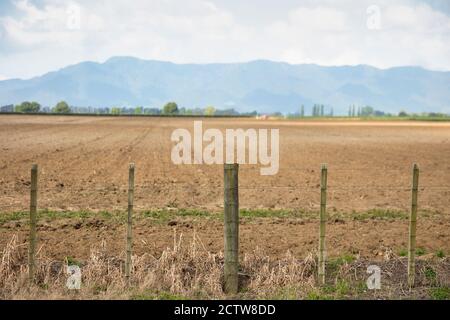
pixel 38 36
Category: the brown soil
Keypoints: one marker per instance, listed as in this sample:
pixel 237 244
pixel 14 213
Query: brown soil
pixel 83 165
pixel 372 239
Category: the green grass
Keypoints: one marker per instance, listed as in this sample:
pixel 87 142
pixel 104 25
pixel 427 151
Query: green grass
pixel 341 260
pixel 361 287
pixel 13 216
pixel 333 264
pixel 285 293
pixel 48 214
pixel 73 262
pixel 278 213
pixel 430 274
pixel 165 215
pixel 404 252
pixel 149 295
pixel 342 289
pixel 318 295
pixel 45 214
pixel 440 254
pixel 367 118
pixel 440 293
pixel 420 251
pixel 264 213
pixel 424 118
pixel 379 214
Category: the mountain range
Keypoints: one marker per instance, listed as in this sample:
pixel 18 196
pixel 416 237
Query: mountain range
pixel 261 85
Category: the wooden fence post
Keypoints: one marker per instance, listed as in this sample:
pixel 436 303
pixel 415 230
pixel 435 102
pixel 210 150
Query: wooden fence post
pixel 412 226
pixel 231 228
pixel 323 219
pixel 129 221
pixel 33 218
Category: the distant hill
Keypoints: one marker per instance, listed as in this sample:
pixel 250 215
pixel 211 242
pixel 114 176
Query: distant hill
pixel 261 85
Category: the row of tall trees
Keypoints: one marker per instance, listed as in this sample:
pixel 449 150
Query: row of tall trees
pixel 318 110
pixel 364 111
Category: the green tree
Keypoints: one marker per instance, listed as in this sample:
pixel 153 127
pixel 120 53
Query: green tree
pixel 302 111
pixel 138 110
pixel 210 111
pixel 367 111
pixel 28 107
pixel 115 110
pixel 61 107
pixel 170 108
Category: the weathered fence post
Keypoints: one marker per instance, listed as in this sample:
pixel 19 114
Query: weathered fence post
pixel 412 226
pixel 33 218
pixel 231 219
pixel 129 221
pixel 323 219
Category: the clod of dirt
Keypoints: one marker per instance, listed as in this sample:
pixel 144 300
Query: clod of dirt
pixel 78 225
pixel 172 223
pixel 97 224
pixel 187 225
pixel 11 225
pixel 46 227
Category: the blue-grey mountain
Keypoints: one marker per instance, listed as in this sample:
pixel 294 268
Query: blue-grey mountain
pixel 261 85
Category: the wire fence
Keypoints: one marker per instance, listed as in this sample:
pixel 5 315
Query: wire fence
pixel 351 188
pixel 71 191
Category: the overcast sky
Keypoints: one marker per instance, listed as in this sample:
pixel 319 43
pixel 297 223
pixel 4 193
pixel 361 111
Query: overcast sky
pixel 37 36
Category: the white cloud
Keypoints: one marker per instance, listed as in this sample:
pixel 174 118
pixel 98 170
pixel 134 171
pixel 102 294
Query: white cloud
pixel 47 37
pixel 408 35
pixel 191 31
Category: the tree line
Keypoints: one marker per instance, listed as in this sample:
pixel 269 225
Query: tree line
pixel 172 108
pixel 35 107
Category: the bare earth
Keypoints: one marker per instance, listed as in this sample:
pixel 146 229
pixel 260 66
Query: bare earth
pixel 83 163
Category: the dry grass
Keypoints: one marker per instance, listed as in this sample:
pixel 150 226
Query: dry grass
pixel 188 270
